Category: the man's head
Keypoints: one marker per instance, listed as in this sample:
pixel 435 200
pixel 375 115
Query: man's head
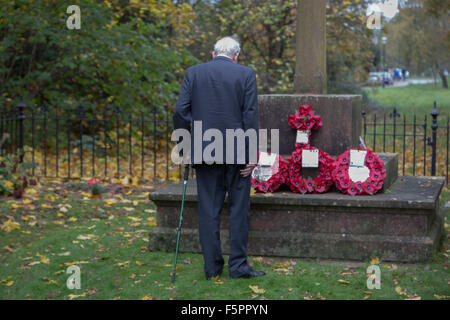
pixel 228 47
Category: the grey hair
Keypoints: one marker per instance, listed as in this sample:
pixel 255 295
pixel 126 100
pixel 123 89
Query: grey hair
pixel 227 46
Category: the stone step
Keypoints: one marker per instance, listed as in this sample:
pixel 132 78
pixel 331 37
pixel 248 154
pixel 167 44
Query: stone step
pixel 403 219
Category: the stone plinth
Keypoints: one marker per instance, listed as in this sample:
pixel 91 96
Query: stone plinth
pixel 341 116
pixel 402 224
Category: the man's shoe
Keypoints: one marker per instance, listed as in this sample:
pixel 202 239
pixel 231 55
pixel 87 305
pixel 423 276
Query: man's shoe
pixel 250 274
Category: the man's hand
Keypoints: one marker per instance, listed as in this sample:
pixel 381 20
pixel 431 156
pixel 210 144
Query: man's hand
pixel 247 170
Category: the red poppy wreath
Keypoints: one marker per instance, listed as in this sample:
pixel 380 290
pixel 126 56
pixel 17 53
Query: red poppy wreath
pixel 304 120
pixel 270 179
pixel 349 183
pixel 321 183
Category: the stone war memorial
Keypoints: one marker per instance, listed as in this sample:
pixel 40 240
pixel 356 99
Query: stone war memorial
pixel 403 222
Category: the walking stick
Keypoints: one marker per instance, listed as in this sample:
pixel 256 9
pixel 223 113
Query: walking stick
pixel 186 177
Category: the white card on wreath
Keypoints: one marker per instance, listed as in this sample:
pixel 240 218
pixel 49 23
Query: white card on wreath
pixel 358 173
pixel 310 158
pixel 267 159
pixel 357 158
pixel 266 172
pixel 302 136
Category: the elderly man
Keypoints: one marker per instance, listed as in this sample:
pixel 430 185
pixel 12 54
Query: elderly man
pixel 222 95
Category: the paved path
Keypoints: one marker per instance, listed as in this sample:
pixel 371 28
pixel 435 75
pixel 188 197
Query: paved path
pixel 404 83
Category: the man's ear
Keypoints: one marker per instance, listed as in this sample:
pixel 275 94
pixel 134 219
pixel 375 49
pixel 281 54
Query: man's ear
pixel 236 57
pixel 213 54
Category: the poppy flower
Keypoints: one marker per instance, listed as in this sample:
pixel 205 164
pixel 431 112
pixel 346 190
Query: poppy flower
pixel 368 189
pixel 351 190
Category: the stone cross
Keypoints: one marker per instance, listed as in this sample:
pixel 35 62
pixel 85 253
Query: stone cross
pixel 310 68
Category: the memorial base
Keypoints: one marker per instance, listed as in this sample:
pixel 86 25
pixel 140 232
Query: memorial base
pixel 403 223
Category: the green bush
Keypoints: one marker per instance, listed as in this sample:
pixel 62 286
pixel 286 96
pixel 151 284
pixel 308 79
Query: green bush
pixel 109 61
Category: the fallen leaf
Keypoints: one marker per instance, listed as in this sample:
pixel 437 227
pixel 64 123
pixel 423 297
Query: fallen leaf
pixel 10 225
pixel 257 290
pixel 74 296
pixel 398 289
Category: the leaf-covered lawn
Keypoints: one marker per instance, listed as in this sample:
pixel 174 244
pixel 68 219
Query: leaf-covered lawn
pixel 58 225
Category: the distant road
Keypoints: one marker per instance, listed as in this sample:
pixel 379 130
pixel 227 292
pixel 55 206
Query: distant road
pixel 404 83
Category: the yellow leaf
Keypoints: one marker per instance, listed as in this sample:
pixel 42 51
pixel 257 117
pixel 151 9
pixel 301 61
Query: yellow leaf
pixel 135 219
pixel 10 225
pixel 72 219
pixel 111 201
pixel 415 297
pixel 123 264
pixel 45 260
pixel 15 206
pixel 74 296
pixel 9 283
pixel 86 237
pixel 125 181
pixel 68 264
pixel 9 184
pixel 398 289
pixel 257 290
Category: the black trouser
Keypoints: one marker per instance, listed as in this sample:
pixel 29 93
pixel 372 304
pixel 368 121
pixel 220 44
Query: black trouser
pixel 213 181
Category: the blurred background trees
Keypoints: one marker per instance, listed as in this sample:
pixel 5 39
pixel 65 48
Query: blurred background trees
pixel 133 53
pixel 127 53
pixel 419 38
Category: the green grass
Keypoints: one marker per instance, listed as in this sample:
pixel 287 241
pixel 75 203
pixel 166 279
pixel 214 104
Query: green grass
pixel 413 99
pixel 117 265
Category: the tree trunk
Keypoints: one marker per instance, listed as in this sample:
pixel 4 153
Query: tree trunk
pixel 444 80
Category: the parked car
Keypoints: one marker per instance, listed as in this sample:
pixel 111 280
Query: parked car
pixel 377 78
pixel 374 79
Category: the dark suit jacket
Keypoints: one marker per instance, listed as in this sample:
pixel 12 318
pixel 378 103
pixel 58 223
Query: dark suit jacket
pixel 222 95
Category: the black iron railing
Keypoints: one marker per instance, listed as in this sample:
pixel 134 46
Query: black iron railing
pixel 422 145
pixel 78 143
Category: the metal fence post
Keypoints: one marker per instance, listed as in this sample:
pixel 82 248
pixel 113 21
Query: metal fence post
pixel 434 128
pixel 363 113
pixel 21 116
